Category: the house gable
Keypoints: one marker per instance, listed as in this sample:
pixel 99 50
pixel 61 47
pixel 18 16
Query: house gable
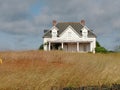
pixel 54 28
pixel 70 34
pixel 63 25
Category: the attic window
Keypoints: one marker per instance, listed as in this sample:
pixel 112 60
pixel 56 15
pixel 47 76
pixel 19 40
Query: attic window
pixel 84 34
pixel 54 34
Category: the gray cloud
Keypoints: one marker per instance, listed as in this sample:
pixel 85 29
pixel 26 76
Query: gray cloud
pixel 15 16
pixel 102 16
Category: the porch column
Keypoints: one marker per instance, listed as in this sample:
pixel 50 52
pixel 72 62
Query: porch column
pixel 62 45
pixel 77 46
pixel 91 47
pixel 49 46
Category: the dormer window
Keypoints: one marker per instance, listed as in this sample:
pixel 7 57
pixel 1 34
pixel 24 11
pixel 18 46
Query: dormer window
pixel 84 33
pixel 54 31
pixel 54 34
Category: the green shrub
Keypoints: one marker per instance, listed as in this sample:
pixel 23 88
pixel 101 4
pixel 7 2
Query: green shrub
pixel 97 44
pixel 41 47
pixel 100 49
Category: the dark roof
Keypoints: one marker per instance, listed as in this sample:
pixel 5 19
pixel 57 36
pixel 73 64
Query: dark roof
pixel 47 34
pixel 75 25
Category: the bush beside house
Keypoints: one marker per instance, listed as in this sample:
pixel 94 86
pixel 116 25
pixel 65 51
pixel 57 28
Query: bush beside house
pixel 100 49
pixel 41 47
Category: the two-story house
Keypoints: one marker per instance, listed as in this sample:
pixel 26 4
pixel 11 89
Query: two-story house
pixel 69 36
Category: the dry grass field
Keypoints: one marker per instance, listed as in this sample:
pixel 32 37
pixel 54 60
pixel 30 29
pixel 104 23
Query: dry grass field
pixel 39 70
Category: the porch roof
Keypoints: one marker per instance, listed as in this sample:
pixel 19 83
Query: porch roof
pixel 68 41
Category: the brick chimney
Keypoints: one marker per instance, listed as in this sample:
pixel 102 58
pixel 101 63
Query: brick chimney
pixel 82 22
pixel 54 22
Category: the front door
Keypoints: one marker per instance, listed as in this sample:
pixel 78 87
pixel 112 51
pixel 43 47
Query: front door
pixel 72 47
pixel 84 47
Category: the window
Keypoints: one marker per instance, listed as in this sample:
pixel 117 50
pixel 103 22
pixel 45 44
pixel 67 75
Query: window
pixel 84 34
pixel 54 34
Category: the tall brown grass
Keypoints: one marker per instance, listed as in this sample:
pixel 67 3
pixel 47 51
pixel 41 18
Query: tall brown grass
pixel 39 70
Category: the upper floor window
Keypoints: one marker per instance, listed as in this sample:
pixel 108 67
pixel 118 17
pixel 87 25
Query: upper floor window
pixel 84 33
pixel 54 34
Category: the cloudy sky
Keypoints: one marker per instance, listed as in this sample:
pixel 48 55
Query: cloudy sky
pixel 22 21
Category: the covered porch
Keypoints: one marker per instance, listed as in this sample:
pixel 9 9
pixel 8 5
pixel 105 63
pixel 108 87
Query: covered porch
pixel 70 46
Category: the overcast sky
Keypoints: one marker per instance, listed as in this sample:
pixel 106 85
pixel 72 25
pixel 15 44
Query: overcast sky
pixel 22 21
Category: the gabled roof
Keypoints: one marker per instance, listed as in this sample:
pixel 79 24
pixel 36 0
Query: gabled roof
pixel 63 25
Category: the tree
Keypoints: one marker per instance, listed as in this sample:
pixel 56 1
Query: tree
pixel 100 49
pixel 97 44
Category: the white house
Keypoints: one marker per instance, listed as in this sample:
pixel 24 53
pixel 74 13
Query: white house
pixel 69 36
